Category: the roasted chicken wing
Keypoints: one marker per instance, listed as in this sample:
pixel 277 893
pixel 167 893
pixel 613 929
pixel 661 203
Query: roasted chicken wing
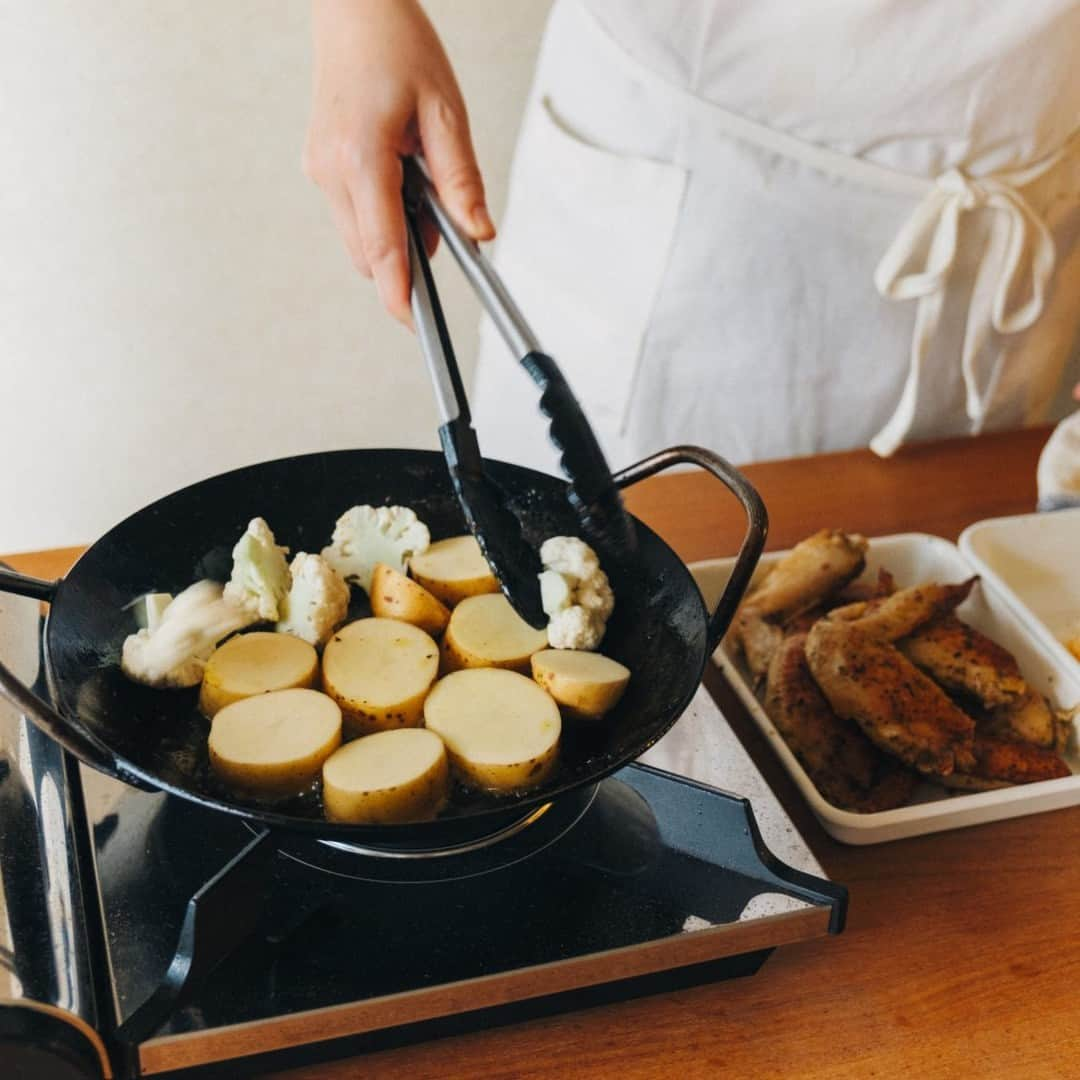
pixel 848 769
pixel 963 660
pixel 815 567
pixel 1028 719
pixel 865 678
pixel 1002 763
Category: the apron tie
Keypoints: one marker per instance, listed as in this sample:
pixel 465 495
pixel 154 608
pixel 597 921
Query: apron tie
pixel 1019 241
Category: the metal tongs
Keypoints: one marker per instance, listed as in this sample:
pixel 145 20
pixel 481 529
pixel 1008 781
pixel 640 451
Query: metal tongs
pixel 591 490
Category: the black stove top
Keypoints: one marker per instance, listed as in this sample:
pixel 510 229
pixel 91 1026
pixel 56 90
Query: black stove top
pixel 198 941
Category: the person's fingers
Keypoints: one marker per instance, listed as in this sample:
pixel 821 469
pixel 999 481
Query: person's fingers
pixel 374 182
pixel 448 151
pixel 430 232
pixel 344 214
pixel 1076 391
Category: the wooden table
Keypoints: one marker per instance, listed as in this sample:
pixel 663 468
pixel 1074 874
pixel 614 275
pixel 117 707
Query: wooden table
pixel 962 952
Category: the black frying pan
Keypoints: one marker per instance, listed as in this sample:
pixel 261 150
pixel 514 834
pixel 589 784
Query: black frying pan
pixel 157 738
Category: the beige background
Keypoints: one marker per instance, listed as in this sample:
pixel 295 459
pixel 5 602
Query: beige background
pixel 173 298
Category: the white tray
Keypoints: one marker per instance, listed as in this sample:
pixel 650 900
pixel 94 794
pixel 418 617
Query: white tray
pixel 1034 559
pixel 913 558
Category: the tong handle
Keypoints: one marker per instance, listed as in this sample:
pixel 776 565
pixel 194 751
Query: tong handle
pixel 480 274
pixel 455 431
pixel 592 491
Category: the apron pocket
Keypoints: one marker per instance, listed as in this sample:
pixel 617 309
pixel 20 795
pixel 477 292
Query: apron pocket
pixel 583 250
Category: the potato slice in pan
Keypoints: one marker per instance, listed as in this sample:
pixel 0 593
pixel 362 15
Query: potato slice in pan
pixel 274 745
pixel 391 776
pixel 454 569
pixel 501 730
pixel 256 663
pixel 485 631
pixel 379 671
pixel 585 684
pixel 394 596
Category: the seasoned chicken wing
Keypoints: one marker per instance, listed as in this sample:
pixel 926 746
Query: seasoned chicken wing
pixel 812 569
pixel 865 678
pixel 963 660
pixel 848 769
pixel 1028 719
pixel 1002 763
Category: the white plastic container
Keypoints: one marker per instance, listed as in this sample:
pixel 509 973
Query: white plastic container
pixel 1035 561
pixel 914 558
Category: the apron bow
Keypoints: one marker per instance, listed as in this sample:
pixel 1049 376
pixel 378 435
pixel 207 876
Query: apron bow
pixel 1019 240
pixel 934 226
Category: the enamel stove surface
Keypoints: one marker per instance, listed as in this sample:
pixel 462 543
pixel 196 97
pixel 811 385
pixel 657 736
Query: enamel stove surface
pixel 644 882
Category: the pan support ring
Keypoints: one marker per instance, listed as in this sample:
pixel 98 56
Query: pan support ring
pixel 507 845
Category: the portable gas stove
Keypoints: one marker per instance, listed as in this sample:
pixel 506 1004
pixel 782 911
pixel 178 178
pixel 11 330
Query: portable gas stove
pixel 141 934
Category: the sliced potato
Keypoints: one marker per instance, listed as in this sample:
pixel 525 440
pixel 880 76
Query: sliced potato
pixel 256 663
pixel 501 730
pixel 379 671
pixel 485 631
pixel 454 569
pixel 391 776
pixel 274 744
pixel 394 596
pixel 586 684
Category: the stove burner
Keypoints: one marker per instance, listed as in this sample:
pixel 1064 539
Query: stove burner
pixel 510 844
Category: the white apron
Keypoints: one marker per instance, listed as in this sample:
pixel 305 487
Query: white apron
pixel 776 230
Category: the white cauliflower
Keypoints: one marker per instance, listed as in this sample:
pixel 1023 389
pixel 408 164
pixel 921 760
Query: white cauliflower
pixel 575 594
pixel 260 574
pixel 174 652
pixel 366 535
pixel 317 602
pixel 149 609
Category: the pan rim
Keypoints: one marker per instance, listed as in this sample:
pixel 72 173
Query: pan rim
pixel 491 815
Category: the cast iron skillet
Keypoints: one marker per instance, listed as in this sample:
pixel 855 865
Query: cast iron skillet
pixel 157 739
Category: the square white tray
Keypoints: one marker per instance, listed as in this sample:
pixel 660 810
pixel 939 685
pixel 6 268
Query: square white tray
pixel 1034 560
pixel 913 558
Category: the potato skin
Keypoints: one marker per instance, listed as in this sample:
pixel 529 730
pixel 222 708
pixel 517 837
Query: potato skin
pixel 451 593
pixel 579 696
pixel 363 718
pixel 269 782
pixel 418 800
pixel 394 596
pixel 453 658
pixel 505 779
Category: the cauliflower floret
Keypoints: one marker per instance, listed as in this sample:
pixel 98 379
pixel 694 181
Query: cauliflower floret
pixel 575 594
pixel 366 535
pixel 574 628
pixel 174 653
pixel 260 574
pixel 148 609
pixel 318 601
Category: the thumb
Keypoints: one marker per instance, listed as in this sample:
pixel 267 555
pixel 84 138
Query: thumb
pixel 448 151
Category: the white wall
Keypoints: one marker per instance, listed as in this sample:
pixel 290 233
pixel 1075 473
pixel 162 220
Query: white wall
pixel 173 298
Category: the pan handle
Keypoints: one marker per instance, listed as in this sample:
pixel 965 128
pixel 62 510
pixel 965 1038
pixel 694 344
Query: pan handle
pixel 756 529
pixel 38 711
pixel 47 720
pixel 22 585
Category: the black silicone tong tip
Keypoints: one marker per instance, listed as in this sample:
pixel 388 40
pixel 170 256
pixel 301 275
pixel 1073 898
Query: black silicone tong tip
pixel 484 503
pixel 607 527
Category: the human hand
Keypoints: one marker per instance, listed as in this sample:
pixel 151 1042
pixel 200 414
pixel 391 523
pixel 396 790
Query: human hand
pixel 383 87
